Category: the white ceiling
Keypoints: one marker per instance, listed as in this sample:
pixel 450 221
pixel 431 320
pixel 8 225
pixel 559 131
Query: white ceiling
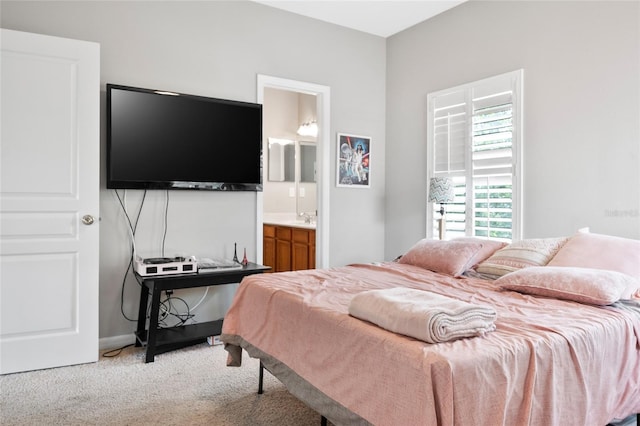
pixel 379 17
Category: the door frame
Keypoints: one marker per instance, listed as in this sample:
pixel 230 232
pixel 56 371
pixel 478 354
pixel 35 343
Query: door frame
pixel 323 156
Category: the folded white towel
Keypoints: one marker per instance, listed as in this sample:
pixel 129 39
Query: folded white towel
pixel 426 316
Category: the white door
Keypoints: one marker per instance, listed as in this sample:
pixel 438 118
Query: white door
pixel 49 182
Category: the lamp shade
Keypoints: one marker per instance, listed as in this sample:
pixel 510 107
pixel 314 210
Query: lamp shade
pixel 441 190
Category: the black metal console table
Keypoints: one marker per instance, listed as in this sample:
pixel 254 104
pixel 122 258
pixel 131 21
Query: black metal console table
pixel 160 340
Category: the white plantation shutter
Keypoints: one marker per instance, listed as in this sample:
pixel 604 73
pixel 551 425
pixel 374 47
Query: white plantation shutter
pixel 450 133
pixel 474 138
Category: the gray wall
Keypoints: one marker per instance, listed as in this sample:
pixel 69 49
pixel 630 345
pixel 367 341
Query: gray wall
pixel 217 49
pixel 581 109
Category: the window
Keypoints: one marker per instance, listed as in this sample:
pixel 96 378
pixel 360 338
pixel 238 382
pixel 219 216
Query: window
pixel 475 139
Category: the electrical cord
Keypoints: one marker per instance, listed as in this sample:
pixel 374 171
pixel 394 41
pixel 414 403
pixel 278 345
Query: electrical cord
pixel 132 230
pixel 170 310
pixel 166 214
pixel 188 315
pixel 164 308
pixel 115 352
pixel 206 291
pixel 167 307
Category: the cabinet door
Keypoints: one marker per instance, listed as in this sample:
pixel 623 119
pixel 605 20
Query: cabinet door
pixel 300 256
pixel 312 249
pixel 283 255
pixel 269 252
pixel 269 247
pixel 269 231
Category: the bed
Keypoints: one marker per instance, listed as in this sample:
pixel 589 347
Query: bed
pixel 565 349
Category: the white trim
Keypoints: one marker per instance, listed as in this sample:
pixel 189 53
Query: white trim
pixel 517 81
pixel 517 210
pixel 323 95
pixel 116 342
pixel 430 159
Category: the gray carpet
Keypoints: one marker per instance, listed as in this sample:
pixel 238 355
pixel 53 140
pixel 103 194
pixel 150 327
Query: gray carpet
pixel 190 386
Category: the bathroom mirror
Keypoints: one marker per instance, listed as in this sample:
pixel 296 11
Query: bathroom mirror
pixel 307 162
pixel 300 178
pixel 282 160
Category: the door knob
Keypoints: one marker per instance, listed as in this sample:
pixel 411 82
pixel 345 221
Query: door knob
pixel 87 219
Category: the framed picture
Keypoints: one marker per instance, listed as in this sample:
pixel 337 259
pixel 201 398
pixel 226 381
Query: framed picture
pixel 354 161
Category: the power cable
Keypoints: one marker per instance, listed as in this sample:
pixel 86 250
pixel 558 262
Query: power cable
pixel 132 230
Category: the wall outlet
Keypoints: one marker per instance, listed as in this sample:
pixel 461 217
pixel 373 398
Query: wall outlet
pixel 302 192
pixel 292 192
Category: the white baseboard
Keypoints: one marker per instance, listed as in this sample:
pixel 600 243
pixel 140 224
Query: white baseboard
pixel 116 342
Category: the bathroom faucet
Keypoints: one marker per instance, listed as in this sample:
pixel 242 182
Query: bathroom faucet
pixel 307 217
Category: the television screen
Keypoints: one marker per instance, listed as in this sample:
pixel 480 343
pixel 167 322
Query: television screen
pixel 165 140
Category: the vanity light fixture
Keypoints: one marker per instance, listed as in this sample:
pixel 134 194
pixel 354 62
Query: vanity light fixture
pixel 310 128
pixel 276 141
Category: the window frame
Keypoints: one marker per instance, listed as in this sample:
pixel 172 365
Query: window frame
pixel 515 79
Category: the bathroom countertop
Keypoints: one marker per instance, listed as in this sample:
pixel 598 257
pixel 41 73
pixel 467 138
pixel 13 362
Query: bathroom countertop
pixel 291 223
pixel 287 221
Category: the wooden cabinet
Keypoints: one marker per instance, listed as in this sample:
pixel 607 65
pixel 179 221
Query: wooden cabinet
pixel 303 249
pixel 288 248
pixel 269 246
pixel 283 249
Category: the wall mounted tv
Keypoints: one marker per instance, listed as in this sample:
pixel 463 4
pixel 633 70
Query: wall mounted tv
pixel 166 140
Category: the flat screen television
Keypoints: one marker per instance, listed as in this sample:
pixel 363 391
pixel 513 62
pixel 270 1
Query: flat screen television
pixel 166 140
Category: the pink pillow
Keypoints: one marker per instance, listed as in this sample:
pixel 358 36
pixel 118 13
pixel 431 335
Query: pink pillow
pixel 521 254
pixel 591 286
pixel 446 257
pixel 489 247
pixel 600 252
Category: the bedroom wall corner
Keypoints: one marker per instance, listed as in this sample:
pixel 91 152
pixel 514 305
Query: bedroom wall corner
pixel 581 64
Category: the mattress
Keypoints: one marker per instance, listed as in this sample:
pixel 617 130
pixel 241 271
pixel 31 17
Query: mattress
pixel 548 362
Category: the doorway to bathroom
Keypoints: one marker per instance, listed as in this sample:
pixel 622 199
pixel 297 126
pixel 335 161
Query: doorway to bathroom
pixel 296 161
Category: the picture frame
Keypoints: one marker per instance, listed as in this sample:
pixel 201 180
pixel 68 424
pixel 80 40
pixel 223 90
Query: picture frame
pixel 353 168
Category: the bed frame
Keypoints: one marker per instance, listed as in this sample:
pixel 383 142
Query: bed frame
pixel 323 419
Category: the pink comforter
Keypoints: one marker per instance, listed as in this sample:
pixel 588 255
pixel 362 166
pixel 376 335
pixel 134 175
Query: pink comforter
pixel 549 362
